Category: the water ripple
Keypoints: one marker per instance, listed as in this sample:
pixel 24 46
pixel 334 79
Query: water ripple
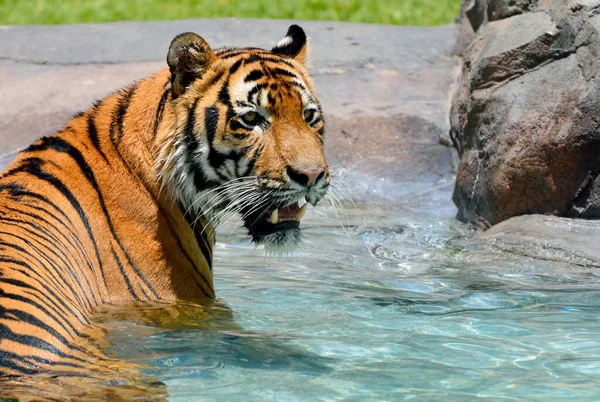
pixel 409 306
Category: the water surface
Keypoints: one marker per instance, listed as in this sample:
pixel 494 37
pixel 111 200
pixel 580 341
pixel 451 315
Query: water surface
pixel 403 302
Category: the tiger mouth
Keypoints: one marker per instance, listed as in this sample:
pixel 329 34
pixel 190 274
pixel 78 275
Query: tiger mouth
pixel 278 220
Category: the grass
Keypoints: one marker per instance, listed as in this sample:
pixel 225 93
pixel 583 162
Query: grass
pixel 400 12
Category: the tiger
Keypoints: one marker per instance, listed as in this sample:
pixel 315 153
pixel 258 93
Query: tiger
pixel 121 205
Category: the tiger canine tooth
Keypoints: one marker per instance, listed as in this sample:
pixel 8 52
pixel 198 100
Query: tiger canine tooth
pixel 275 216
pixel 301 212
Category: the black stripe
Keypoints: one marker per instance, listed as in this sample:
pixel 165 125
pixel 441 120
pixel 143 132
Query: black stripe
pixel 200 180
pixel 235 66
pixel 15 189
pixel 227 50
pixel 252 161
pixel 206 249
pixel 93 133
pixel 266 57
pixel 239 52
pixel 60 145
pixel 224 97
pixel 254 75
pixel 160 110
pixel 122 106
pixel 211 121
pixel 253 58
pixel 37 217
pixel 55 250
pixel 317 120
pixel 18 315
pixel 189 135
pixel 73 239
pixel 18 191
pixel 215 78
pixel 78 248
pixel 201 235
pixel 7 359
pixel 35 304
pixel 224 50
pixel 50 303
pixel 255 90
pixel 79 316
pixel 144 294
pixel 124 275
pixel 284 72
pixel 56 269
pixel 300 85
pixel 236 125
pixel 33 166
pixel 207 252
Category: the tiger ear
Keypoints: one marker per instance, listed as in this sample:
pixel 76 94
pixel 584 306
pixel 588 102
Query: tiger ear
pixel 294 45
pixel 189 57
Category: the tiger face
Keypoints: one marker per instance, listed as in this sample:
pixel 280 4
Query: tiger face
pixel 249 137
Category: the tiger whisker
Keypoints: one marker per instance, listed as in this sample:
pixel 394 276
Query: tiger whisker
pixel 223 188
pixel 214 219
pixel 236 207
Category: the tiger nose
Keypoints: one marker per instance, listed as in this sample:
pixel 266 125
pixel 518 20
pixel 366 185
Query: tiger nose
pixel 306 177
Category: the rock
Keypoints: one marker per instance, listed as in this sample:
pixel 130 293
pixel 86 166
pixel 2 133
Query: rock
pixel 500 9
pixel 476 12
pixel 572 241
pixel 464 31
pixel 525 117
pixel 480 12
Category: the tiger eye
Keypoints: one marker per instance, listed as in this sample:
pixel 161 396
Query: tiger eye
pixel 249 117
pixel 308 114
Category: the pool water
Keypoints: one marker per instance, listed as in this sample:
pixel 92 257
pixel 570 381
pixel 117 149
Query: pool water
pixel 401 302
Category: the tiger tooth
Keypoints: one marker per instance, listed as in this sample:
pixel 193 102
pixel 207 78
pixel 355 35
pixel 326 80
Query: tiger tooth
pixel 301 212
pixel 275 216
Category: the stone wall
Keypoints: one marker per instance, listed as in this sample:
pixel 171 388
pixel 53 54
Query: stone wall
pixel 526 117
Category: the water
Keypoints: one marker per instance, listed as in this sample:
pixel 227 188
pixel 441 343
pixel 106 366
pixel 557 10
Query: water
pixel 403 303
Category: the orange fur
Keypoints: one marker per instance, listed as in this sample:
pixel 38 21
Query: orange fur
pixel 96 213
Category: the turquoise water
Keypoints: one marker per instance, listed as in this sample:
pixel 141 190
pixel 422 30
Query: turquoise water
pixel 402 303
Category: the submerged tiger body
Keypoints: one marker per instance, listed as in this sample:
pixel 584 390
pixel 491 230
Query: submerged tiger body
pixel 120 205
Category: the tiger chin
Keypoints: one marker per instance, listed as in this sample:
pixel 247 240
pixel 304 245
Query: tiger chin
pixel 255 142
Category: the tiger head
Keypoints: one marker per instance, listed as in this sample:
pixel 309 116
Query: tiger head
pixel 248 136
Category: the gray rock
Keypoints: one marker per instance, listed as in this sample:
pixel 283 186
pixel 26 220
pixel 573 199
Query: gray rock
pixel 480 12
pixel 476 12
pixel 464 31
pixel 525 116
pixel 549 238
pixel 500 9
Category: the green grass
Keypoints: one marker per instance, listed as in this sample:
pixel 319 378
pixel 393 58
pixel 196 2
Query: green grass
pixel 401 12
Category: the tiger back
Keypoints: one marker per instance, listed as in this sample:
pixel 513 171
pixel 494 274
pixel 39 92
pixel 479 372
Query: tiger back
pixel 121 205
